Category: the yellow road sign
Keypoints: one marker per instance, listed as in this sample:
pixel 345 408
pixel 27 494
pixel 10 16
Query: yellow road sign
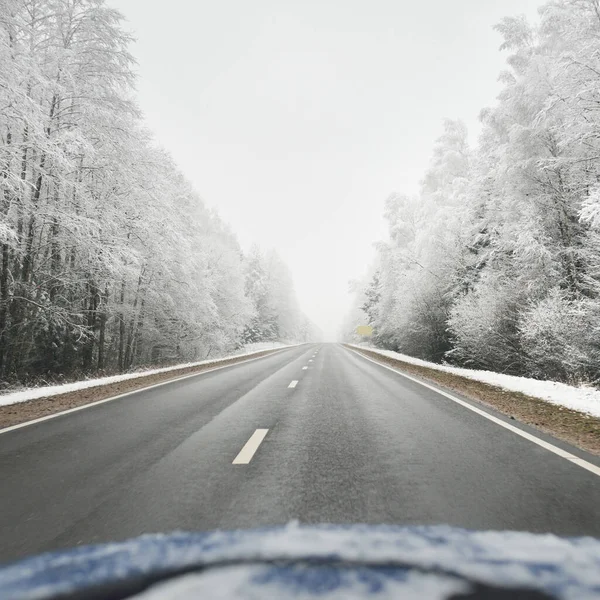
pixel 364 330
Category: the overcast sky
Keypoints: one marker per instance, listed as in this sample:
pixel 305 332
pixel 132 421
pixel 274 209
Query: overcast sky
pixel 297 118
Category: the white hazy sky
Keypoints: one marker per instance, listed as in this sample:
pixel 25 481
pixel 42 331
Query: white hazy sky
pixel 297 118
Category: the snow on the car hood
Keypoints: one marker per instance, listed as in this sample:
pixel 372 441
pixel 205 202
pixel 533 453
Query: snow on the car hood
pixel 565 568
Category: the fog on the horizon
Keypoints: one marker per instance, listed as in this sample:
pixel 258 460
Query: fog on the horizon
pixel 297 119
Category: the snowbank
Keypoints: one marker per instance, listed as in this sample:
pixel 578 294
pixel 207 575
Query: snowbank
pixel 260 346
pixel 584 399
pixel 54 390
pixel 422 562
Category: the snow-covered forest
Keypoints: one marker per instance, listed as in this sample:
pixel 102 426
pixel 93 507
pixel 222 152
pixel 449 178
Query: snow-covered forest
pixel 495 263
pixel 109 259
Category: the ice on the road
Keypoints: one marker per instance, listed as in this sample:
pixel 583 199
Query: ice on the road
pixel 584 399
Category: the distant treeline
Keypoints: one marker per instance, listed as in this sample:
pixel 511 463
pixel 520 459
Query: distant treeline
pixel 108 258
pixel 495 263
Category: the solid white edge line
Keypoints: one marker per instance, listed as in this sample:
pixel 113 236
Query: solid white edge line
pixel 293 384
pixel 584 464
pixel 142 389
pixel 250 447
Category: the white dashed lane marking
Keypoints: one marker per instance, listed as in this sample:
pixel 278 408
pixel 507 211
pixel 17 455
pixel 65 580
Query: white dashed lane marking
pixel 304 368
pixel 293 384
pixel 250 447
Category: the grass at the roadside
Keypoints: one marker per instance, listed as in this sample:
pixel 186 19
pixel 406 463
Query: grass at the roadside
pixel 569 425
pixel 20 412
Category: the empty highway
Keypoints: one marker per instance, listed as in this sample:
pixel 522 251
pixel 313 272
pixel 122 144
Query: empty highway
pixel 315 433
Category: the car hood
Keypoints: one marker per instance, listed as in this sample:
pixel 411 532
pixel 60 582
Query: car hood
pixel 316 561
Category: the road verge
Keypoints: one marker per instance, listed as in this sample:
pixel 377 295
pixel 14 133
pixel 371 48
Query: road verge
pixel 30 410
pixel 572 426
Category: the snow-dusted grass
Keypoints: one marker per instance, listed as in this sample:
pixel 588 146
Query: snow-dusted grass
pixel 583 399
pixel 53 390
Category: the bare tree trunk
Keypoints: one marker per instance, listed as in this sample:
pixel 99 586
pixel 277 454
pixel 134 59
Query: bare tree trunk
pixel 121 317
pixel 102 336
pixel 133 324
pixel 92 325
pixel 14 308
pixel 4 299
pixel 138 348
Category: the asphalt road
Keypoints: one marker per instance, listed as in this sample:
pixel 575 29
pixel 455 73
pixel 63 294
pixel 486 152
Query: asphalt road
pixel 351 442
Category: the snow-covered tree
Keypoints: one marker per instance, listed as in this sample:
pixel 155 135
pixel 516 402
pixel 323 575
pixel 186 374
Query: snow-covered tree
pixel 270 290
pixel 109 259
pixel 496 262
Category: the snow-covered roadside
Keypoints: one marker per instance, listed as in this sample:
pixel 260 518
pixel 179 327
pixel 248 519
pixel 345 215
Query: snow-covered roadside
pixel 53 390
pixel 583 399
pixel 260 346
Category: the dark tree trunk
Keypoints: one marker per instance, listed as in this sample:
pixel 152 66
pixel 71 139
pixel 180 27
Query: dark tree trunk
pixel 92 326
pixel 4 299
pixel 102 336
pixel 132 325
pixel 121 317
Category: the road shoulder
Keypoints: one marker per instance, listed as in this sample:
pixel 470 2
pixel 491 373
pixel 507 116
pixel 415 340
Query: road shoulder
pixel 573 427
pixel 22 413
